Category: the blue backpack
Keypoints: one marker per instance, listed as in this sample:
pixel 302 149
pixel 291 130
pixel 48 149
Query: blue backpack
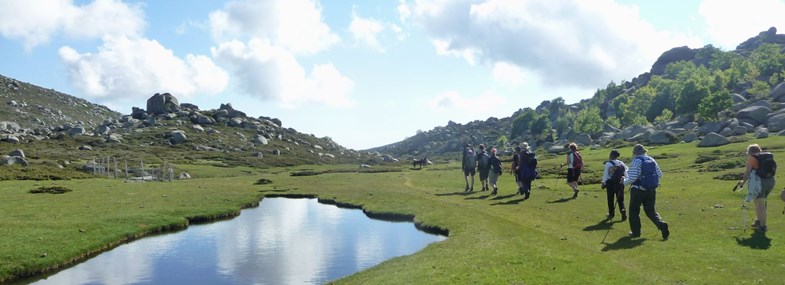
pixel 648 178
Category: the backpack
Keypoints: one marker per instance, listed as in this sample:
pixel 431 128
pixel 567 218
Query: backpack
pixel 648 178
pixel 577 160
pixel 528 159
pixel 532 159
pixel 766 165
pixel 616 172
pixel 484 161
pixel 470 158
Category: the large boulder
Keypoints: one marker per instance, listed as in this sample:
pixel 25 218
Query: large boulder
pixel 754 113
pixel 737 98
pixel 162 104
pixel 690 137
pixel 188 107
pixel 184 175
pixel 17 152
pixel 583 139
pixel 761 133
pixel 10 139
pixel 17 160
pixel 663 137
pixel 713 139
pixel 776 123
pixel 114 138
pixel 260 139
pixel 778 93
pixel 76 131
pixel 197 128
pixel 204 120
pixel 138 113
pixel 673 55
pixel 177 137
pixel 711 127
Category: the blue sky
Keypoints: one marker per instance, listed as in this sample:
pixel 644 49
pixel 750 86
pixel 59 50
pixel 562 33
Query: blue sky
pixel 365 73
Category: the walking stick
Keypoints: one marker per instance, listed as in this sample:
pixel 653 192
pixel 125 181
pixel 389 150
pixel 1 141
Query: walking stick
pixel 743 206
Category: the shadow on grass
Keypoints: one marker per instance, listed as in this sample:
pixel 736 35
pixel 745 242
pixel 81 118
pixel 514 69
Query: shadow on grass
pixel 511 202
pixel 623 243
pixel 605 224
pixel 562 200
pixel 503 197
pixel 758 240
pixel 461 193
pixel 483 197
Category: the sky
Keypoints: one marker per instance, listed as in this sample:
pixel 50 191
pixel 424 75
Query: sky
pixel 364 73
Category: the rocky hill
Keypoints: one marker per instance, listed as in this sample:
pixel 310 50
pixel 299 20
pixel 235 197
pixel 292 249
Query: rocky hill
pixel 735 95
pixel 43 128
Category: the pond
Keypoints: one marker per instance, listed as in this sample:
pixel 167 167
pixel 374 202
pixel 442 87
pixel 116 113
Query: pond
pixel 283 241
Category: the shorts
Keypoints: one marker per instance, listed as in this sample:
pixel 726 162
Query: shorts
pixel 573 174
pixel 468 171
pixel 484 174
pixel 766 185
pixel 493 177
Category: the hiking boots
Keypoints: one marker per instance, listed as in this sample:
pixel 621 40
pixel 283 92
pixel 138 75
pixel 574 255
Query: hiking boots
pixel 526 195
pixel 634 235
pixel 756 224
pixel 575 193
pixel 665 231
pixel 623 216
pixel 467 188
pixel 761 229
pixel 494 191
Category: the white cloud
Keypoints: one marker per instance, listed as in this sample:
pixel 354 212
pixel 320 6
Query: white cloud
pixel 34 22
pixel 403 11
pixel 126 68
pixel 567 42
pixel 365 30
pixel 730 23
pixel 371 32
pixel 273 73
pixel 292 24
pixel 454 102
pixel 507 73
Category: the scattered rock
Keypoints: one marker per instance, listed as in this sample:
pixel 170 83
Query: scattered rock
pixel 713 139
pixel 663 137
pixel 11 139
pixel 162 104
pixel 184 175
pixel 757 114
pixel 260 139
pixel 177 137
pixel 85 147
pixel 17 152
pixel 762 133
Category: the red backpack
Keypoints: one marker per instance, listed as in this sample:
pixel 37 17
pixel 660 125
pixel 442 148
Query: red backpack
pixel 577 160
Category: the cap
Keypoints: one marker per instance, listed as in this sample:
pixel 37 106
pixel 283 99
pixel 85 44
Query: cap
pixel 639 149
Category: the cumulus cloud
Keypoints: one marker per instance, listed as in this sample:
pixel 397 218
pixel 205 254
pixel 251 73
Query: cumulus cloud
pixel 292 24
pixel 566 42
pixel 507 73
pixel 272 72
pixel 125 68
pixel 453 101
pixel 403 11
pixel 368 31
pixel 730 23
pixel 34 22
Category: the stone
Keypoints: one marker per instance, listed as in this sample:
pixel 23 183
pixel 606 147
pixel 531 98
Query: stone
pixel 758 114
pixel 690 137
pixel 713 139
pixel 670 56
pixel 761 133
pixel 197 128
pixel 102 130
pixel 583 139
pixel 234 122
pixel 76 131
pixel 138 113
pixel 260 139
pixel 18 160
pixel 184 175
pixel 85 147
pixel 690 126
pixel 17 152
pixel 188 107
pixel 177 137
pixel 277 122
pixel 150 121
pixel 737 98
pixel 710 127
pixel 276 152
pixel 114 138
pixel 259 155
pixel 776 123
pixel 739 130
pixel 204 120
pixel 726 132
pixel 778 93
pixel 162 104
pixel 316 146
pixel 11 139
pixel 663 137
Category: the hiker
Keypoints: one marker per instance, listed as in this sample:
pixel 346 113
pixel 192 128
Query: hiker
pixel 514 168
pixel 574 165
pixel 483 166
pixel 760 176
pixel 644 175
pixel 613 183
pixel 527 170
pixel 496 170
pixel 468 162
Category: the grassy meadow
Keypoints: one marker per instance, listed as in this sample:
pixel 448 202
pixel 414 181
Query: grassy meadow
pixel 503 239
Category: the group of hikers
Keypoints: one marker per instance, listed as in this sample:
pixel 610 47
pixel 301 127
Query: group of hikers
pixel 642 176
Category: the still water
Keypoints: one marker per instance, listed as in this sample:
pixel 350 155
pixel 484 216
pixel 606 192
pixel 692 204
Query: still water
pixel 283 241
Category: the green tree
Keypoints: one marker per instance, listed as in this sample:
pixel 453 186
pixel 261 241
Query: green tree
pixel 613 121
pixel 759 89
pixel 666 116
pixel 768 59
pixel 502 141
pixel 691 96
pixel 541 124
pixel 563 123
pixel 522 122
pixel 638 105
pixel 710 107
pixel 589 121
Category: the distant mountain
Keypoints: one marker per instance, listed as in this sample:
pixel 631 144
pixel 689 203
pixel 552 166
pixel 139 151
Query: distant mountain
pixel 702 94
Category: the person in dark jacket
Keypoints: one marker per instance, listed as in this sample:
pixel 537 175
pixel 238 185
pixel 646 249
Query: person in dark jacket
pixel 613 183
pixel 527 170
pixel 496 170
pixel 514 168
pixel 644 175
pixel 483 166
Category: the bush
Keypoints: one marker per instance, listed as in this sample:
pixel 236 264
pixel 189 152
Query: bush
pixel 51 190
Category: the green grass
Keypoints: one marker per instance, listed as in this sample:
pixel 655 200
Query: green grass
pixel 548 239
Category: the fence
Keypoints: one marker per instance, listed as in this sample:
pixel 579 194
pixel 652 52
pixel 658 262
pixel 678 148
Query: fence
pixel 110 167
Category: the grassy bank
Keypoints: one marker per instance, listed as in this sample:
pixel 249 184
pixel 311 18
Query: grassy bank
pixel 548 239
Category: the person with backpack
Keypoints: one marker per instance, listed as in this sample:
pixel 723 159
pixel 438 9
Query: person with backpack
pixel 644 176
pixel 613 183
pixel 483 166
pixel 496 170
pixel 759 173
pixel 468 164
pixel 527 170
pixel 514 168
pixel 574 165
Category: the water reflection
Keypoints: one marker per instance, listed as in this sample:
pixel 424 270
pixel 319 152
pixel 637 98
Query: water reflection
pixel 283 241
